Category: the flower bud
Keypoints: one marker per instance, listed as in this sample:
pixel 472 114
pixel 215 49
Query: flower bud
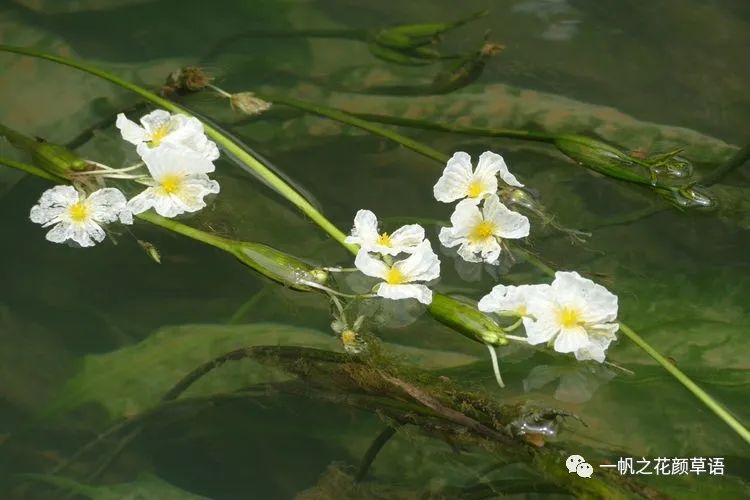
pixel 467 320
pixel 247 103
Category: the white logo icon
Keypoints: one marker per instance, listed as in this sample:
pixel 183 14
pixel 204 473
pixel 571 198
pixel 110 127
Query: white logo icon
pixel 578 464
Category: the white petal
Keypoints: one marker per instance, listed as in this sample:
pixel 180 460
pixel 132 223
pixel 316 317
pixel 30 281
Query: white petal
pixel 407 238
pixel 194 189
pixel 169 206
pixel 571 339
pixel 493 161
pixel 130 131
pixel 541 324
pixel 490 250
pixel 189 134
pixel 469 252
pixel 369 265
pixel 155 120
pixel 422 265
pixel 169 160
pixel 510 298
pixel 365 230
pixel 591 352
pixel 53 203
pixel 454 182
pixel 419 292
pixel 106 204
pixel 508 224
pixel 60 233
pixel 597 304
pixel 486 173
pixel 143 201
pixel 448 237
pixel 465 217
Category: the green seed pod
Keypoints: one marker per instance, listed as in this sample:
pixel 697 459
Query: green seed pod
pixel 279 266
pixel 394 56
pixel 603 158
pixel 466 320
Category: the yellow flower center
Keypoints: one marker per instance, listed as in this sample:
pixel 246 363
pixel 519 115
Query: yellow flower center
pixel 475 189
pixel 171 184
pixel 348 337
pixel 394 276
pixel 569 317
pixel 78 212
pixel 385 240
pixel 522 310
pixel 481 232
pixel 158 135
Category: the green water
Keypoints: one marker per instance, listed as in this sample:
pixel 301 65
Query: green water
pixel 645 75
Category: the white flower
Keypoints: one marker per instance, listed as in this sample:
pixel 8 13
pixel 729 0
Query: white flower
pixel 161 127
pixel 480 232
pixel 459 181
pixel 179 183
pixel 398 279
pixel 365 234
pixel 576 313
pixel 77 217
pixel 511 300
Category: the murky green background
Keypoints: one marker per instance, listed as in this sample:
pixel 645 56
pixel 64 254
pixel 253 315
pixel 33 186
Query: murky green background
pixel 637 73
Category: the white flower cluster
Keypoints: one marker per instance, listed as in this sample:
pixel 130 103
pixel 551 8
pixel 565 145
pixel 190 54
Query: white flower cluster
pixel 178 156
pixel 573 314
pixel 478 232
pixel 401 278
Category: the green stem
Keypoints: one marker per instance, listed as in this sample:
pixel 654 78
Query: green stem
pixel 190 232
pixel 691 386
pixel 277 183
pixel 527 135
pixel 31 169
pixel 343 117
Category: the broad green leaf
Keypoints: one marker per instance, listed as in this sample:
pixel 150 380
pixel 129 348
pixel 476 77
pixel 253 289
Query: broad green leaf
pixel 131 379
pixel 146 487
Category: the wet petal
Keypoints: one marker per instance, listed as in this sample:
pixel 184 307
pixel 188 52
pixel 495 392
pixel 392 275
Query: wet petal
pixel 407 238
pixel 452 185
pixel 422 265
pixel 369 265
pixel 365 230
pixel 571 339
pixel 396 292
pixel 131 131
pixel 106 204
pixel 508 224
pixel 494 162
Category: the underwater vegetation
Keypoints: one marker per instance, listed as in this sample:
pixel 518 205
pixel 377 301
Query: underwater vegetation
pixel 188 138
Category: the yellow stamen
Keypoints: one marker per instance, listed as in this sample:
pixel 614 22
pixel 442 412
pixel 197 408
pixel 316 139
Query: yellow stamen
pixel 158 135
pixel 348 337
pixel 475 189
pixel 385 240
pixel 569 317
pixel 522 310
pixel 394 276
pixel 78 212
pixel 171 184
pixel 481 232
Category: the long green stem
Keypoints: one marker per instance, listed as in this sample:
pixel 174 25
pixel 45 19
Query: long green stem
pixel 277 183
pixel 699 393
pixel 343 117
pixel 528 135
pixel 30 169
pixel 326 225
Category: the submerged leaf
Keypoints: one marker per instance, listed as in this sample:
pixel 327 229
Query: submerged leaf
pixel 131 379
pixel 144 488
